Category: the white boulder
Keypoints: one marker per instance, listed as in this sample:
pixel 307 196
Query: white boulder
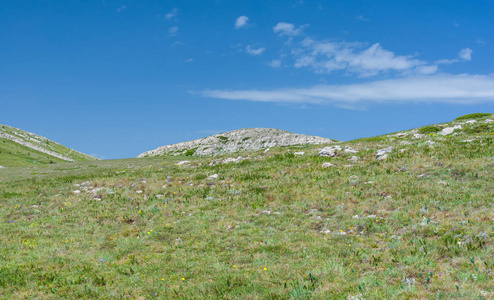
pixel 449 130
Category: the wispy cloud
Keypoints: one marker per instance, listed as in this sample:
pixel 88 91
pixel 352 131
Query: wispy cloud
pixel 189 60
pixel 251 50
pixel 241 21
pixel 121 8
pixel 465 54
pixel 288 29
pixel 275 63
pixel 172 14
pixel 173 31
pixel 362 18
pixel 443 88
pixel 354 58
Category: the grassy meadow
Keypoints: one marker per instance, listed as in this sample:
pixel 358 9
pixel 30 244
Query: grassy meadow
pixel 416 225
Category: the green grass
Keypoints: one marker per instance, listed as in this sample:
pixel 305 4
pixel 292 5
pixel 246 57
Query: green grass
pixel 142 226
pixel 15 155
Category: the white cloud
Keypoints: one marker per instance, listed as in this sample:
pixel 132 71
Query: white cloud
pixel 172 14
pixel 241 21
pixel 189 60
pixel 288 29
pixel 275 63
pixel 444 88
pixel 445 61
pixel 173 31
pixel 250 50
pixel 465 54
pixel 325 57
pixel 361 18
pixel 121 8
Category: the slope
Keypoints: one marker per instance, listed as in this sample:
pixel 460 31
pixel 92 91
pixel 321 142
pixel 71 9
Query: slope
pixel 22 148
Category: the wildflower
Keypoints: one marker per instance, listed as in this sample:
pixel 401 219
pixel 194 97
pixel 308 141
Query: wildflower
pixel 140 212
pixel 265 269
pixel 162 279
pixel 183 278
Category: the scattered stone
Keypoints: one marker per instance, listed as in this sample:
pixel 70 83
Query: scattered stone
pixel 266 212
pixel 183 162
pixel 470 122
pixel 353 159
pixel 76 192
pixel 2 167
pixel 489 121
pixel 299 153
pixel 383 153
pixel 449 130
pixel 325 231
pixel 417 136
pixel 234 160
pixel 214 176
pixel 351 150
pixel 329 151
pixel 327 165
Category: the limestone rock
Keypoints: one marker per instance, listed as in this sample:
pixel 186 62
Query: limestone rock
pixel 250 139
pixel 329 151
pixel 383 153
pixel 449 130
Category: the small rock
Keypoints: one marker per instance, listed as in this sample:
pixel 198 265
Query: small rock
pixel 417 136
pixel 299 153
pixel 325 231
pixel 351 150
pixel 327 165
pixel 76 192
pixel 214 176
pixel 470 122
pixel 231 159
pixel 383 153
pixel 329 151
pixel 353 159
pixel 183 162
pixel 2 167
pixel 449 130
pixel 489 121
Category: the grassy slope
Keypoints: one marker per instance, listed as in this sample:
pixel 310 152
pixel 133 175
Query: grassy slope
pixel 424 226
pixel 16 155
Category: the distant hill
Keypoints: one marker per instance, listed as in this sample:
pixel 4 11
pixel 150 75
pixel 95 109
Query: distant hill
pixel 249 139
pixel 22 148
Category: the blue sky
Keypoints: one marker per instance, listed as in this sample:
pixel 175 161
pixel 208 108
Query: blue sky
pixel 117 78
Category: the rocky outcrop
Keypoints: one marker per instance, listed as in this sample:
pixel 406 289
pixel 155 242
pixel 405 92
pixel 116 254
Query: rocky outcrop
pixel 249 139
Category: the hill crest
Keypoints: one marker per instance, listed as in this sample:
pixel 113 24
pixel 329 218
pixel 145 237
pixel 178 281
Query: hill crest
pixel 247 139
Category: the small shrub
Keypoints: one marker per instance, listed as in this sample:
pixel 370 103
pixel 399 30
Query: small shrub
pixel 429 129
pixel 223 139
pixel 473 116
pixel 190 152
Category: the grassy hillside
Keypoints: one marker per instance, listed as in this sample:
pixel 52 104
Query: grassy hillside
pixel 417 224
pixel 14 154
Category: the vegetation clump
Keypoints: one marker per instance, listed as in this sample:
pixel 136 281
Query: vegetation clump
pixel 429 129
pixel 473 116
